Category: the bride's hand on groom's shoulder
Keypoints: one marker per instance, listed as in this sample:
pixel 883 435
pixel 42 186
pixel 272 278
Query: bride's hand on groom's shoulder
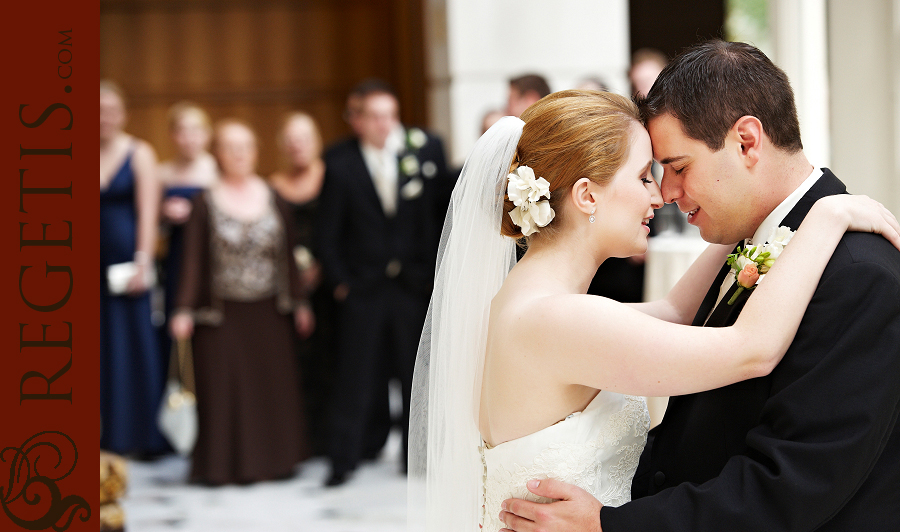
pixel 575 511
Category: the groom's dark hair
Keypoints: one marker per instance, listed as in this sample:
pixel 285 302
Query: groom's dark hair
pixel 709 86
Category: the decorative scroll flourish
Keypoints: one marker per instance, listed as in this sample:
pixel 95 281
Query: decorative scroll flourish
pixel 31 497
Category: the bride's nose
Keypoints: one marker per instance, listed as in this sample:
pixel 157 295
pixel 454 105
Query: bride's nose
pixel 656 199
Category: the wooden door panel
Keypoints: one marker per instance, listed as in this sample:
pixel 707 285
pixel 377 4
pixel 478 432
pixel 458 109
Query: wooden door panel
pixel 258 60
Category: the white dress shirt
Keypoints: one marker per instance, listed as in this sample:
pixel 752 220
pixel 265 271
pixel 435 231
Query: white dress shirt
pixel 383 167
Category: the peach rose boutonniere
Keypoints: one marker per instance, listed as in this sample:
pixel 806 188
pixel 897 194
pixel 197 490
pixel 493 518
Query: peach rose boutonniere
pixel 750 265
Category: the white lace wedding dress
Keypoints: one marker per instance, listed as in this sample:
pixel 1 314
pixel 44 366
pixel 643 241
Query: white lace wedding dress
pixel 597 450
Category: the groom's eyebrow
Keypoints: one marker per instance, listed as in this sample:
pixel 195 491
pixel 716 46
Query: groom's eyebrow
pixel 670 160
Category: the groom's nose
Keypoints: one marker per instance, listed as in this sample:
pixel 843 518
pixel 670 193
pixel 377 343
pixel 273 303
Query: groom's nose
pixel 671 186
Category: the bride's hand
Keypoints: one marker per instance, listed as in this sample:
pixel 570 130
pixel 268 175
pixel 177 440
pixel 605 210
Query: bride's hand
pixel 863 214
pixel 575 510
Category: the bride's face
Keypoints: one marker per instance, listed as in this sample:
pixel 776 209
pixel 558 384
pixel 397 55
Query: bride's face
pixel 626 204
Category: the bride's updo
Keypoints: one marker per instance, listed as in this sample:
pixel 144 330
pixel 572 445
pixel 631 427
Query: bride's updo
pixel 569 135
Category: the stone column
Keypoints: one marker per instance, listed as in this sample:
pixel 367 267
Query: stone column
pixel 474 47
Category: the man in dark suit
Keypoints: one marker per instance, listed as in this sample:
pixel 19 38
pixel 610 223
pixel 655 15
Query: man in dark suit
pixel 815 445
pixel 376 239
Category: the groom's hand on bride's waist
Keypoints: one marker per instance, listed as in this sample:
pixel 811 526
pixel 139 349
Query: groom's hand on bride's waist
pixel 575 511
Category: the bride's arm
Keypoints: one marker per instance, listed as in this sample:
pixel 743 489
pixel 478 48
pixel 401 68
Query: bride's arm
pixel 683 300
pixel 602 344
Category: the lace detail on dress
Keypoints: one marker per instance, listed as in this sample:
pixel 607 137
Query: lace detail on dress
pixel 597 450
pixel 245 255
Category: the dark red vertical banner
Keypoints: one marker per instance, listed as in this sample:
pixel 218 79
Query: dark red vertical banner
pixel 49 273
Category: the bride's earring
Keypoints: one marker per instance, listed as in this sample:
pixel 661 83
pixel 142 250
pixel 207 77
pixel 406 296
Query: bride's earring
pixel 591 218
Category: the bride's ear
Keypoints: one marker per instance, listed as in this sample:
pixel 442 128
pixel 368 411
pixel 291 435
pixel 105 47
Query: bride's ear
pixel 584 195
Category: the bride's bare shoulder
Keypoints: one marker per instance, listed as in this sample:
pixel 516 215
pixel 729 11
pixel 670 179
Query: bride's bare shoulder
pixel 530 314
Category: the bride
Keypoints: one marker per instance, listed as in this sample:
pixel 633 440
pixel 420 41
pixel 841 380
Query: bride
pixel 522 375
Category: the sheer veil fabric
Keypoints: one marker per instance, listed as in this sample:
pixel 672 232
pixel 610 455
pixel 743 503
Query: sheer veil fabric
pixel 446 472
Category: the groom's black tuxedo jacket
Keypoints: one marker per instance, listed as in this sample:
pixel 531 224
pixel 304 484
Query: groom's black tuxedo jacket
pixel 815 445
pixel 356 241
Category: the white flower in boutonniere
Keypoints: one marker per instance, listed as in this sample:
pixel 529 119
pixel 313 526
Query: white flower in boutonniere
pixel 429 169
pixel 526 192
pixel 413 189
pixel 416 138
pixel 751 264
pixel 409 165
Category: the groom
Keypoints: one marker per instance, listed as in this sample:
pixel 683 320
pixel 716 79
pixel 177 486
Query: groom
pixel 816 444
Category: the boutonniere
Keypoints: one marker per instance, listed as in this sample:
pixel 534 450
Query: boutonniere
pixel 415 138
pixel 412 189
pixel 409 165
pixel 749 265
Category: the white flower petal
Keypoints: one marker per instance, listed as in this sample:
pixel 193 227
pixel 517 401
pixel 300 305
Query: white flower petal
pixel 417 137
pixel 526 174
pixel 523 220
pixel 543 187
pixel 542 213
pixel 781 235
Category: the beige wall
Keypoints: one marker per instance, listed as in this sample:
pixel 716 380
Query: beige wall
pixel 474 47
pixel 864 64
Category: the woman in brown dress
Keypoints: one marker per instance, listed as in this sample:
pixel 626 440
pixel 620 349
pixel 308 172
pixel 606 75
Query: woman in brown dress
pixel 241 299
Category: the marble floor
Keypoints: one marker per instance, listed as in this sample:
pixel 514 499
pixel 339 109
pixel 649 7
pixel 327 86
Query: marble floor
pixel 373 500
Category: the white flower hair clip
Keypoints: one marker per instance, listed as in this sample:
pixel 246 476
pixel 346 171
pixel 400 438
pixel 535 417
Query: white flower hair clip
pixel 525 192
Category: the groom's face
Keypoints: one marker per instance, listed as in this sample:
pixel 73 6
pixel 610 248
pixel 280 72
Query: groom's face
pixel 710 186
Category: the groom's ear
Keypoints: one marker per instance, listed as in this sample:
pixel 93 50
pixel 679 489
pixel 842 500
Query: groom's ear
pixel 583 195
pixel 748 133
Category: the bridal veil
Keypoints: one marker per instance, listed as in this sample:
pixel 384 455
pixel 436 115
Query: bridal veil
pixel 445 469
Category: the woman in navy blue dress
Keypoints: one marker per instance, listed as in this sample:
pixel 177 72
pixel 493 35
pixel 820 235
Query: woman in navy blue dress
pixel 192 170
pixel 132 373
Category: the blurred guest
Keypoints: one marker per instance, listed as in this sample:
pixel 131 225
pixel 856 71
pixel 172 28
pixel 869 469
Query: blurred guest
pixel 193 169
pixel 380 421
pixel 299 186
pixel 592 83
pixel 646 64
pixel 490 118
pixel 240 286
pixel 524 90
pixel 376 239
pixel 132 373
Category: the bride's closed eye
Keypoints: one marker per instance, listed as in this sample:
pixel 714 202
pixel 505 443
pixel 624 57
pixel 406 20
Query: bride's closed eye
pixel 646 176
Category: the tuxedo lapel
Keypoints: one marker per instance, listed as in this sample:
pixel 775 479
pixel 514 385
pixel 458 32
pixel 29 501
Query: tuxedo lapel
pixel 726 314
pixel 827 185
pixel 713 293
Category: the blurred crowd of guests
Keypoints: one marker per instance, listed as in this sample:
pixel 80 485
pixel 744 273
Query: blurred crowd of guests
pixel 302 294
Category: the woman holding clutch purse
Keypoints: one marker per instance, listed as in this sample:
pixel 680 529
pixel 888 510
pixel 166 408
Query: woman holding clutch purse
pixel 132 372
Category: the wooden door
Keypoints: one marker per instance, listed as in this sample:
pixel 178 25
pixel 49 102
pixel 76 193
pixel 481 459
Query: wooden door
pixel 259 59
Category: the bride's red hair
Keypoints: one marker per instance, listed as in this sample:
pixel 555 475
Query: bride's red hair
pixel 569 135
